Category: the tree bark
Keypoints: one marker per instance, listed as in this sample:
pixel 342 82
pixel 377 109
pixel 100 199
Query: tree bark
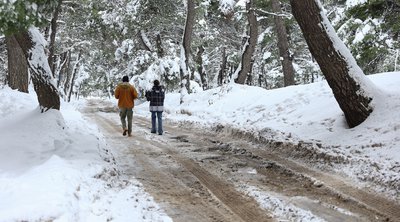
pixel 40 71
pixel 53 32
pixel 74 72
pixel 65 72
pixel 343 76
pixel 283 45
pixel 261 77
pixel 185 51
pixel 250 45
pixel 142 38
pixel 222 70
pixel 160 50
pixel 18 76
pixel 62 60
pixel 200 67
pixel 187 36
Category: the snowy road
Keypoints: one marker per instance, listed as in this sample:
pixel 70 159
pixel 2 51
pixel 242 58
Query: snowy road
pixel 202 175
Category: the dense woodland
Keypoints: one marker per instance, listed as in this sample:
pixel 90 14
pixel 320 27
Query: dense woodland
pixel 91 44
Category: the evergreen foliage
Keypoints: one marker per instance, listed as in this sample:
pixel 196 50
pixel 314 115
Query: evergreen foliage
pixel 371 31
pixel 141 38
pixel 21 14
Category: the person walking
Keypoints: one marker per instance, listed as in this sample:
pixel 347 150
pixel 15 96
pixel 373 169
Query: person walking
pixel 126 94
pixel 156 97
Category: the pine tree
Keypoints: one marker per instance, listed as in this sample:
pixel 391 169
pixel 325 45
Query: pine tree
pixel 15 19
pixel 350 87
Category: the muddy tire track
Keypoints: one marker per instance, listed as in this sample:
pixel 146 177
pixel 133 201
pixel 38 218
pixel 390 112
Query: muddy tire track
pixel 189 192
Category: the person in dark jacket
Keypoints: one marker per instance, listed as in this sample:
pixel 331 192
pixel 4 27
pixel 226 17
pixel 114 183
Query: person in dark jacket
pixel 156 97
pixel 126 94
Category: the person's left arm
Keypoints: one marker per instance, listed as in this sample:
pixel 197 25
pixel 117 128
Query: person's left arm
pixel 116 93
pixel 163 93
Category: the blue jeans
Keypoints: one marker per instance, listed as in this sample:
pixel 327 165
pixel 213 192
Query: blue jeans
pixel 153 122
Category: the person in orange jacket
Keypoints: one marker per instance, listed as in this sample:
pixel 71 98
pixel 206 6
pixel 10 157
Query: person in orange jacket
pixel 126 94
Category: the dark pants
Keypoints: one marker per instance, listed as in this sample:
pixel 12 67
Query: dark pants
pixel 125 113
pixel 153 122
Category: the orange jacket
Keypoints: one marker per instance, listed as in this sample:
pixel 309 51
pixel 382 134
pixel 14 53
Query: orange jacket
pixel 126 94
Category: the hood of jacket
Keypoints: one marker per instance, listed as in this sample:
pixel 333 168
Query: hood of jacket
pixel 124 85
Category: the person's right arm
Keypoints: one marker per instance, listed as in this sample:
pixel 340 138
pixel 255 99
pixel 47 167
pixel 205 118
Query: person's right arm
pixel 147 95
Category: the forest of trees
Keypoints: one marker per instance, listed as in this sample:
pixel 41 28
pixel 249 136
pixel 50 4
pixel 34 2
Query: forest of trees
pixel 88 45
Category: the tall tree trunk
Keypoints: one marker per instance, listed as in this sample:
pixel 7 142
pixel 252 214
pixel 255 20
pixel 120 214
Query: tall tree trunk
pixel 352 90
pixel 232 70
pixel 283 45
pixel 144 41
pixel 61 69
pixel 160 50
pixel 250 45
pixel 74 72
pixel 185 50
pixel 39 67
pixel 200 67
pixel 53 32
pixel 67 74
pixel 18 77
pixel 222 70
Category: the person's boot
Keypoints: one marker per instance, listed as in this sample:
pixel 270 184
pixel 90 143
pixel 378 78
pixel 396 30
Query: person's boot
pixel 125 132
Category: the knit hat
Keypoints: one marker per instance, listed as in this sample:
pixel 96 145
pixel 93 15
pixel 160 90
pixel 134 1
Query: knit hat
pixel 125 79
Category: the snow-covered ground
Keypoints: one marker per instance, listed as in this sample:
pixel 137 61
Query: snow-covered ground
pixel 56 166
